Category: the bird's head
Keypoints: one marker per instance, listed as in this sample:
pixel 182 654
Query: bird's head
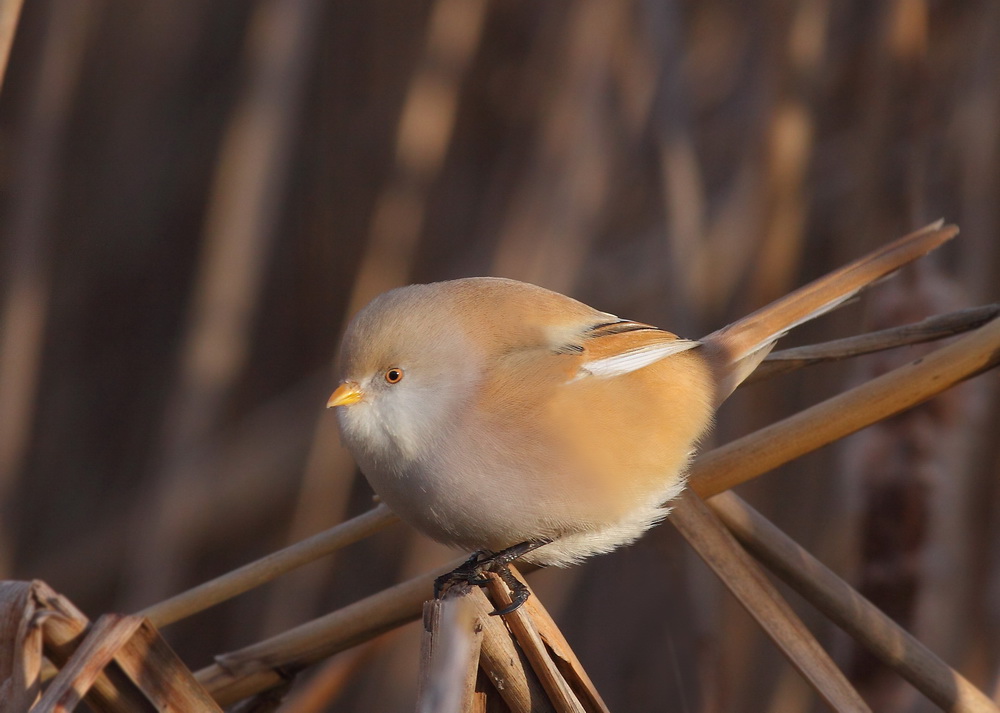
pixel 407 368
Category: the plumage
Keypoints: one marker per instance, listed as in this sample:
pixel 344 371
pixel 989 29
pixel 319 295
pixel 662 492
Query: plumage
pixel 488 412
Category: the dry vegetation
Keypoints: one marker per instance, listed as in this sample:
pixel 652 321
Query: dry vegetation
pixel 196 195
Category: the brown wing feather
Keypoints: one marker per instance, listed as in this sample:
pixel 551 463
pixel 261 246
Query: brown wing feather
pixel 608 340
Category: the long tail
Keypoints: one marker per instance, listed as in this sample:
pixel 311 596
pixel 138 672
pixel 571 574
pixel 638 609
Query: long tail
pixel 737 349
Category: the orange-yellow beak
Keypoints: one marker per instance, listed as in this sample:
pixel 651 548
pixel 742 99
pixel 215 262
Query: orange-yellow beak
pixel 346 394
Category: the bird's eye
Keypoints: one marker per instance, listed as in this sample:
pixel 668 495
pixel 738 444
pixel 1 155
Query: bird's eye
pixel 394 375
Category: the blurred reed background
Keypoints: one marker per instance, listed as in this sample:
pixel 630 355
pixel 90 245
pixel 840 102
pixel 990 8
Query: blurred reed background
pixel 196 195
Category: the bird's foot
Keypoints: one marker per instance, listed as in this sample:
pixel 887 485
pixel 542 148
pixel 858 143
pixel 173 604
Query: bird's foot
pixel 470 571
pixel 473 569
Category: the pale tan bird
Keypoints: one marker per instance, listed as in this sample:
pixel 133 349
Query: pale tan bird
pixel 498 416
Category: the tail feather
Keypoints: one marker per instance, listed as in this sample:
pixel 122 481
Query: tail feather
pixel 738 348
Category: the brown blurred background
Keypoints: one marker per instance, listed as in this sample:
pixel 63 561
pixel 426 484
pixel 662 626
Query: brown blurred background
pixel 195 195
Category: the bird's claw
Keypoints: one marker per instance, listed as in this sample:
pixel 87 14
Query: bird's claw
pixel 519 593
pixel 472 570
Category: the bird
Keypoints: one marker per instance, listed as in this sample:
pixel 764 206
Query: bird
pixel 509 420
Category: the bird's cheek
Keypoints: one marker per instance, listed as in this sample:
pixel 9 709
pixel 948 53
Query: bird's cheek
pixel 352 421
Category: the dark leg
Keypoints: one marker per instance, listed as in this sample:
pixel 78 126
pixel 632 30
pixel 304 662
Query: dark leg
pixel 472 572
pixel 518 592
pixel 505 557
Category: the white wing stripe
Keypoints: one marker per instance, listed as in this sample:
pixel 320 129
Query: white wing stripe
pixel 634 359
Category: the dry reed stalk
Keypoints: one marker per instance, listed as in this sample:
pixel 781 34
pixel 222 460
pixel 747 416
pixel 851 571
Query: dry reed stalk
pixel 20 646
pixel 103 641
pixel 159 673
pixel 248 670
pixel 505 665
pixel 720 551
pixel 561 653
pixel 239 674
pixel 63 629
pixel 268 701
pixel 558 689
pixel 561 673
pixel 323 499
pixel 500 660
pixel 146 675
pixel 268 568
pixel 927 330
pixel 10 12
pixel 882 397
pixel 136 647
pixel 909 479
pixel 449 653
pixel 239 232
pixel 849 610
pixel 529 664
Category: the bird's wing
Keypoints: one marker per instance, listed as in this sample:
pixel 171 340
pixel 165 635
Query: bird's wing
pixel 620 347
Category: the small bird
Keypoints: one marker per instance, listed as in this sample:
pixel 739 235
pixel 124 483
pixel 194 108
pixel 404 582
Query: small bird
pixel 501 417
